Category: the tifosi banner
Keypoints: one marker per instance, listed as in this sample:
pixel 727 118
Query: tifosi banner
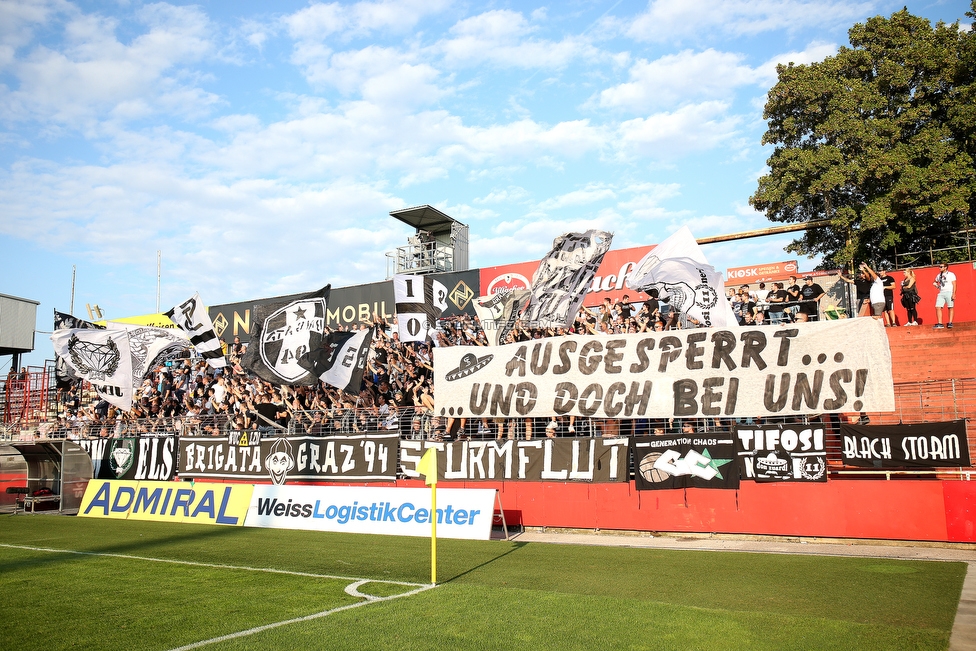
pixel 584 459
pixel 140 458
pixel 925 445
pixel 461 513
pixel 685 461
pixel 781 453
pixel 830 366
pixel 359 457
pixel 167 501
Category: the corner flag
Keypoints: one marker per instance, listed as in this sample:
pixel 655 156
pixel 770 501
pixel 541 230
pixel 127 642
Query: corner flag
pixel 428 468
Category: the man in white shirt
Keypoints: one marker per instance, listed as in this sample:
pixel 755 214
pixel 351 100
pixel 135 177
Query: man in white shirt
pixel 945 283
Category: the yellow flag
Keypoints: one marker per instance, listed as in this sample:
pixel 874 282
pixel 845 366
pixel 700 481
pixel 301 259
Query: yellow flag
pixel 428 466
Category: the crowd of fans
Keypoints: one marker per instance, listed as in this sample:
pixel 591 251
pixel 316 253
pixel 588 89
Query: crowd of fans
pixel 397 389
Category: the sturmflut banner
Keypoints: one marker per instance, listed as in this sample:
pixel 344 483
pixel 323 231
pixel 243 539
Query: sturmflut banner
pixel 461 513
pixel 773 453
pixel 922 445
pixel 584 459
pixel 823 367
pixel 354 457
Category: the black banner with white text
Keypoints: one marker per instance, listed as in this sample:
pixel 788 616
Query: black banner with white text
pixel 774 453
pixel 925 445
pixel 138 459
pixel 685 461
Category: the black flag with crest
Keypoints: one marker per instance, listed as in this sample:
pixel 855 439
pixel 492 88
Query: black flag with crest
pixel 284 331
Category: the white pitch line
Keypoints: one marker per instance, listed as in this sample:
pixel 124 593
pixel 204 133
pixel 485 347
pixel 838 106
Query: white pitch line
pixel 352 589
pixel 218 566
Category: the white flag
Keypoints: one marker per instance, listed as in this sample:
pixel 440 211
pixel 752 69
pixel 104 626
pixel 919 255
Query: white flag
pixel 420 300
pixel 679 271
pixel 150 346
pixel 191 316
pixel 341 361
pixel 102 357
pixel 563 277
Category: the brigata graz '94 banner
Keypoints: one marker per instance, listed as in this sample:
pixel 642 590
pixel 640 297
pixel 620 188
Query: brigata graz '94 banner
pixel 356 457
pixel 583 459
pixel 921 445
pixel 823 367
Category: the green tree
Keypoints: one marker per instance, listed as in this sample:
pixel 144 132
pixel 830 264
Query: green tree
pixel 878 139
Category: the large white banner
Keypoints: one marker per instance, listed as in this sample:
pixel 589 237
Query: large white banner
pixel 821 367
pixel 461 512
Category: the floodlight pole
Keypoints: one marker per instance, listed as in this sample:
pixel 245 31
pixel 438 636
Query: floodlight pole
pixel 158 265
pixel 71 309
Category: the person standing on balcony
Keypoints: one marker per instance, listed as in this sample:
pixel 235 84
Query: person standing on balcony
pixel 910 297
pixel 945 283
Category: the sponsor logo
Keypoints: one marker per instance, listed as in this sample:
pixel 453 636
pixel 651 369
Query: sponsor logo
pixel 220 324
pixel 461 295
pixel 374 512
pixel 507 283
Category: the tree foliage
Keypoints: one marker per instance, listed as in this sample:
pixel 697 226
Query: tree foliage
pixel 879 139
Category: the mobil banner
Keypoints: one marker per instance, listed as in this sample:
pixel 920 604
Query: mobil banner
pixel 461 513
pixel 822 367
pixel 167 501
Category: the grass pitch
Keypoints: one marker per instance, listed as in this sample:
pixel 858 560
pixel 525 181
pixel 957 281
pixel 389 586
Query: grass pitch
pixel 147 585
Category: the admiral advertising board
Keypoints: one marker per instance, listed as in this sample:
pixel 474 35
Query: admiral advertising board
pixel 607 283
pixel 347 305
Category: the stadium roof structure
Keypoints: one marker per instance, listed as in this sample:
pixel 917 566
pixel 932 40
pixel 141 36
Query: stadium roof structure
pixel 426 218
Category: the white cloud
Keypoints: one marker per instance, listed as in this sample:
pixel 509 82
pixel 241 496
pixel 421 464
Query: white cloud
pixel 95 74
pixel 816 51
pixel 674 20
pixel 670 135
pixel 590 194
pixel 503 37
pixel 676 78
pixel 512 194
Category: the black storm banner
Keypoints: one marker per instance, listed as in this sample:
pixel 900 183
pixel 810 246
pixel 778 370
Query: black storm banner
pixel 361 457
pixel 146 457
pixel 685 461
pixel 586 459
pixel 774 453
pixel 925 445
pixel 823 367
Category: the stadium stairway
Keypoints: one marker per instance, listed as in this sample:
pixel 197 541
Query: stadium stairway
pixel 924 354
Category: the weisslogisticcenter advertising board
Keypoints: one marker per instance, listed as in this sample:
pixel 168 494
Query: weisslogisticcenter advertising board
pixel 820 367
pixel 461 513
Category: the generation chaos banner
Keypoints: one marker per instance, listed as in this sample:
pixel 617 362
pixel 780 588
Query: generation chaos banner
pixel 822 367
pixel 685 461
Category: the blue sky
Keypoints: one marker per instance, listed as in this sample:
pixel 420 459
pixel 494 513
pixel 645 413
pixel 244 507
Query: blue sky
pixel 260 146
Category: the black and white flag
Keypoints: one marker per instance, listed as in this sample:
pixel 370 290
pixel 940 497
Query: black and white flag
pixel 191 317
pixel 499 313
pixel 563 277
pixel 283 332
pixel 63 372
pixel 341 360
pixel 679 271
pixel 781 452
pixel 150 347
pixel 102 357
pixel 684 461
pixel 420 300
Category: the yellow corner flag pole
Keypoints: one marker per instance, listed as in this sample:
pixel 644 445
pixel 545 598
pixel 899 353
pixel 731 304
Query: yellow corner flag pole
pixel 428 468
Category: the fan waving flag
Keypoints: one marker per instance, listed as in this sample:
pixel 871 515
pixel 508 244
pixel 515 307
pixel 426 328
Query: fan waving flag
pixel 191 317
pixel 560 283
pixel 102 357
pixel 678 270
pixel 420 300
pixel 284 331
pixel 341 361
pixel 498 313
pixel 150 347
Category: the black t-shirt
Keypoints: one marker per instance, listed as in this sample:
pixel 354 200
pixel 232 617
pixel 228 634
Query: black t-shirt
pixel 781 297
pixel 889 286
pixel 863 287
pixel 626 309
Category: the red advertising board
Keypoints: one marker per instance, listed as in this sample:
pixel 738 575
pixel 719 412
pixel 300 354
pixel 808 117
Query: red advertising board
pixel 608 282
pixel 762 272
